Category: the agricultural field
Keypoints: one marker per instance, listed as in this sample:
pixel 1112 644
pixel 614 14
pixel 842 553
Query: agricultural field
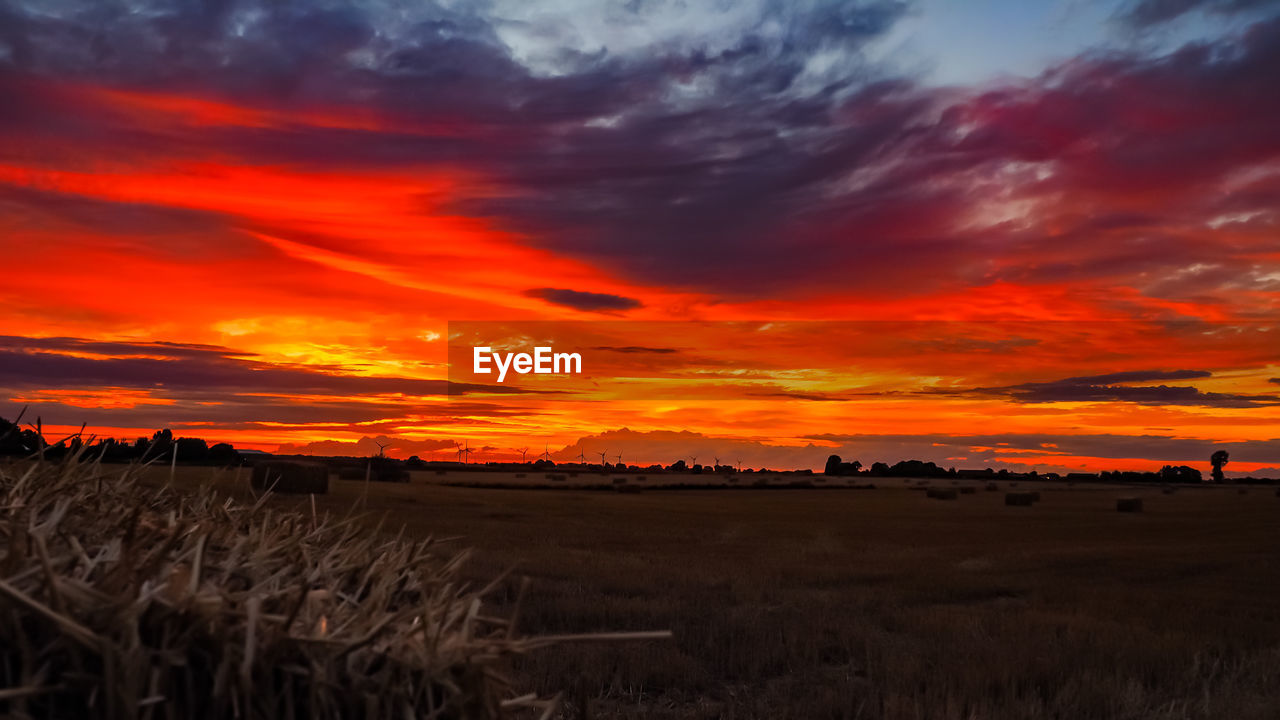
pixel 883 603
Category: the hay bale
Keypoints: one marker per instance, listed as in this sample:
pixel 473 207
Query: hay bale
pixel 520 475
pixel 290 476
pixel 628 488
pixel 1167 490
pixel 942 493
pixel 619 481
pixel 1129 505
pixel 392 475
pixel 1020 499
pixel 992 487
pixel 198 607
pixel 968 490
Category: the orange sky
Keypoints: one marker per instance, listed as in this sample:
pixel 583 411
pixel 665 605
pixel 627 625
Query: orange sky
pixel 284 272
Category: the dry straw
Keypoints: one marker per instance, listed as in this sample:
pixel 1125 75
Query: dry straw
pixel 122 601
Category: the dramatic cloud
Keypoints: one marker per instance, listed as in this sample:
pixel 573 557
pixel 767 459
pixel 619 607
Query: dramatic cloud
pixel 301 196
pixel 25 363
pixel 1112 388
pixel 368 446
pixel 1152 12
pixel 587 301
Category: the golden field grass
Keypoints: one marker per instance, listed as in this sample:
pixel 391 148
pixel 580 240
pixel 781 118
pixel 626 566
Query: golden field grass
pixel 875 603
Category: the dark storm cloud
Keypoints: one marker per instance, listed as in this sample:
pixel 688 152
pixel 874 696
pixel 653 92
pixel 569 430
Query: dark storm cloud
pixel 28 363
pixel 1133 376
pixel 772 176
pixel 1154 12
pixel 1116 387
pixel 588 301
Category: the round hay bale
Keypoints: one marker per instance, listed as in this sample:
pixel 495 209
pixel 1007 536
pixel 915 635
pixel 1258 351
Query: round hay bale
pixel 992 487
pixel 393 475
pixel 942 493
pixel 1129 505
pixel 290 476
pixel 619 481
pixel 968 490
pixel 1020 499
pixel 1168 490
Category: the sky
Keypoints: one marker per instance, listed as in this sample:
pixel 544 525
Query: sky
pixel 986 234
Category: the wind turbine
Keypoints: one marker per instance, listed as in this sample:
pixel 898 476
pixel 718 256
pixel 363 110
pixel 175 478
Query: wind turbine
pixel 739 464
pixel 693 460
pixel 619 460
pixel 381 446
pixel 602 462
pixel 546 453
pixel 464 452
pixel 523 451
pixel 717 465
pixel 582 456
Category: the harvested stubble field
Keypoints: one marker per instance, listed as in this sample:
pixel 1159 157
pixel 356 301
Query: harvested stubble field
pixel 880 603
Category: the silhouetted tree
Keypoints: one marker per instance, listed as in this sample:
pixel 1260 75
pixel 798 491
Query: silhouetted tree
pixel 836 467
pixel 222 455
pixel 1218 459
pixel 192 450
pixel 1180 474
pixel 833 465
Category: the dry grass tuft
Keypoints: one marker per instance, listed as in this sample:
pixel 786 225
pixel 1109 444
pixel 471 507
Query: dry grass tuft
pixel 119 601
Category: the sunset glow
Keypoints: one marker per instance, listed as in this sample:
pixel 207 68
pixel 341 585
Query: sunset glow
pixel 771 249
